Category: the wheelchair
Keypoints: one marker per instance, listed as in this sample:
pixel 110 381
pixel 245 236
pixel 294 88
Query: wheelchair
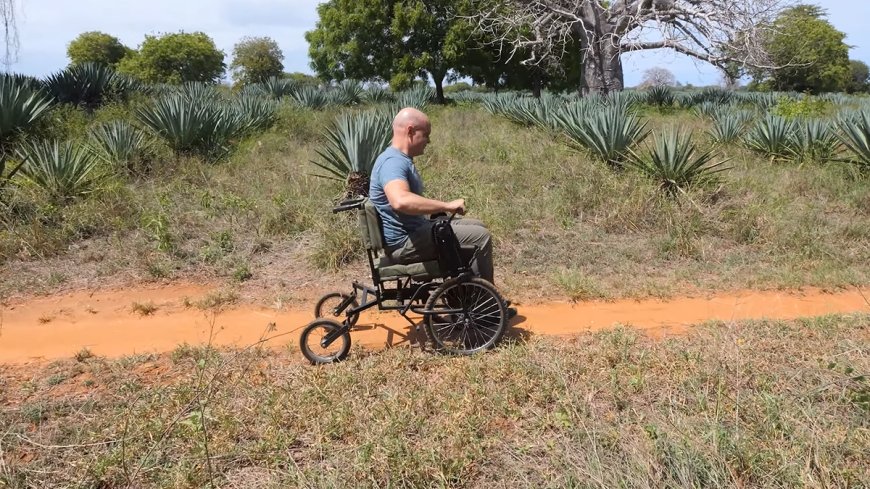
pixel 462 314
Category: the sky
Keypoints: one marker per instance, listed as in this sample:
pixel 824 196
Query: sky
pixel 47 26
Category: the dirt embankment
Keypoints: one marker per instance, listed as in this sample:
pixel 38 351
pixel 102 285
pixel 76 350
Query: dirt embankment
pixel 142 320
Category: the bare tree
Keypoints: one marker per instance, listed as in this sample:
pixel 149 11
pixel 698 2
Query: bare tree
pixel 721 32
pixel 658 77
pixel 10 31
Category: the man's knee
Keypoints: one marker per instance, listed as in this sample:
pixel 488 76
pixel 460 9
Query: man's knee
pixel 468 233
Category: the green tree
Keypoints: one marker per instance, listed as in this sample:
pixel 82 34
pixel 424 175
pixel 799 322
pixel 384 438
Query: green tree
pixel 175 58
pixel 96 47
pixel 255 59
pixel 352 39
pixel 810 52
pixel 401 40
pixel 860 76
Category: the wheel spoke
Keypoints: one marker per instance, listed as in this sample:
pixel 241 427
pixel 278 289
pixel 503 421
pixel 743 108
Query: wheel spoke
pixel 480 323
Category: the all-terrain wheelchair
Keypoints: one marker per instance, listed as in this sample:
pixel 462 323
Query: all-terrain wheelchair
pixel 462 313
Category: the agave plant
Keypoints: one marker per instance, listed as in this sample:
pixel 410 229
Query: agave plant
pixel 660 96
pixel 277 87
pixel 20 108
pixel 310 97
pixel 772 136
pixel 675 163
pixel 855 136
pixel 193 126
pixel 728 126
pixel 65 170
pixel 352 146
pixel 198 91
pixel 626 100
pixel 256 113
pixel 377 95
pixel 813 140
pixel 715 96
pixel 497 104
pixel 418 97
pixel 348 92
pixel 87 85
pixel 706 109
pixel 607 133
pixel 119 144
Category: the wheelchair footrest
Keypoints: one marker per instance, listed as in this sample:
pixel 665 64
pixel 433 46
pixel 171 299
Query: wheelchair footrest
pixel 423 311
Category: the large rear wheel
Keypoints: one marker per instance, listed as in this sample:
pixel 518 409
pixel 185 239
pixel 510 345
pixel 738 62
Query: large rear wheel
pixel 468 316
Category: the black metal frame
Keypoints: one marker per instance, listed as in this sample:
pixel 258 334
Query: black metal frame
pixel 404 302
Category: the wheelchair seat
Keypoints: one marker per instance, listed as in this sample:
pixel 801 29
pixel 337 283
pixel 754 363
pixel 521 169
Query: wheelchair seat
pixel 372 233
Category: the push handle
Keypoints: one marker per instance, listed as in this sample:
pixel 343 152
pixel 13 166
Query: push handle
pixel 348 205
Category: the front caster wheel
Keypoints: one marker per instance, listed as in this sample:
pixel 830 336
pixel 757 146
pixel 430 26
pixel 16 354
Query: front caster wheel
pixel 329 307
pixel 313 341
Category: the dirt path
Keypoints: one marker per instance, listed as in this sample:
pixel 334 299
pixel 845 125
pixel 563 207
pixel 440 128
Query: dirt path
pixel 105 322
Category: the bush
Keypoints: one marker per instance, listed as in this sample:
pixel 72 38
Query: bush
pixel 807 106
pixel 64 170
pixel 175 58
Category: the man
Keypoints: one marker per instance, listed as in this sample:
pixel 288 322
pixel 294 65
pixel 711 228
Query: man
pixel 396 190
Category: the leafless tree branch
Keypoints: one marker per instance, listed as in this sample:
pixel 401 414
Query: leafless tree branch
pixel 716 31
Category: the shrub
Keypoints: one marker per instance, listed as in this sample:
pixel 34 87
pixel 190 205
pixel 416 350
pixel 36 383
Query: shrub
pixel 351 148
pixel 607 133
pixel 675 163
pixel 64 170
pixel 20 108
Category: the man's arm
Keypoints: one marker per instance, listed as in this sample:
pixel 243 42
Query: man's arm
pixel 403 200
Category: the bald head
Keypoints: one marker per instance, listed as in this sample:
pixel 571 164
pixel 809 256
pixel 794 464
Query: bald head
pixel 411 130
pixel 409 116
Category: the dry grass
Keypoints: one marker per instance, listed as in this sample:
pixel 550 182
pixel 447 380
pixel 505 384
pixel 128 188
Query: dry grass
pixel 564 225
pixel 756 404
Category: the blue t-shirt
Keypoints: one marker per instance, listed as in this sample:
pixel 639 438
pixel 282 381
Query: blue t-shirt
pixel 391 165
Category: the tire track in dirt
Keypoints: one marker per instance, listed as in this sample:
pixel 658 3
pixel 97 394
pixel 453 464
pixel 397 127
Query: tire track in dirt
pixel 105 322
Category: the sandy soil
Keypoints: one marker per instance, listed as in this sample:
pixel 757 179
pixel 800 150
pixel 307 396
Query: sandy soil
pixel 108 324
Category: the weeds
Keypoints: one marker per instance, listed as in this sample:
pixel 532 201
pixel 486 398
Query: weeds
pixel 144 308
pixel 755 404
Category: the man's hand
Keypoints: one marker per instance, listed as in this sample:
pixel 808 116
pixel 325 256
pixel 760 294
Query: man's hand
pixel 455 206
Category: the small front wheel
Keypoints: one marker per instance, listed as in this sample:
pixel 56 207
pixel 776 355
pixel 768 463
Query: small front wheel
pixel 328 307
pixel 313 337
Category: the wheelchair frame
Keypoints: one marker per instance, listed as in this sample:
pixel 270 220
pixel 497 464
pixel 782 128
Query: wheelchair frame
pixel 409 294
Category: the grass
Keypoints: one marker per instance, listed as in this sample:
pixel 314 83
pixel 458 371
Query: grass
pixel 144 308
pixel 549 207
pixel 754 404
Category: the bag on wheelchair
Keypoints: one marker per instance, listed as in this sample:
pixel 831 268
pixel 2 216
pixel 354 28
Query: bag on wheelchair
pixel 450 258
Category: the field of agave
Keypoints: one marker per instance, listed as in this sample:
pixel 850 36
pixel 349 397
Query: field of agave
pixel 206 121
pixel 203 179
pixel 779 126
pixel 194 119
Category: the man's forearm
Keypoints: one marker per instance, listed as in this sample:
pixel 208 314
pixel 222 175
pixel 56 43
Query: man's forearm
pixel 415 205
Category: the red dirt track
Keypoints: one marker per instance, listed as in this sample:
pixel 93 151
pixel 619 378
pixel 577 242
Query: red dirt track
pixel 105 322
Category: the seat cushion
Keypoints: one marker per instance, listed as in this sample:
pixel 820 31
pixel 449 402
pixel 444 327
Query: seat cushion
pixel 420 271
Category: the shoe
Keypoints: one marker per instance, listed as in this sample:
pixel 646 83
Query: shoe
pixel 511 313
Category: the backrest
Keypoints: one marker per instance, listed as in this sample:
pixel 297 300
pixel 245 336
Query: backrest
pixel 371 228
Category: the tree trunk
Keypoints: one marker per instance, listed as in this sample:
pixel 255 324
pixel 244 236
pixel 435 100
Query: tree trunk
pixel 438 78
pixel 536 83
pixel 602 69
